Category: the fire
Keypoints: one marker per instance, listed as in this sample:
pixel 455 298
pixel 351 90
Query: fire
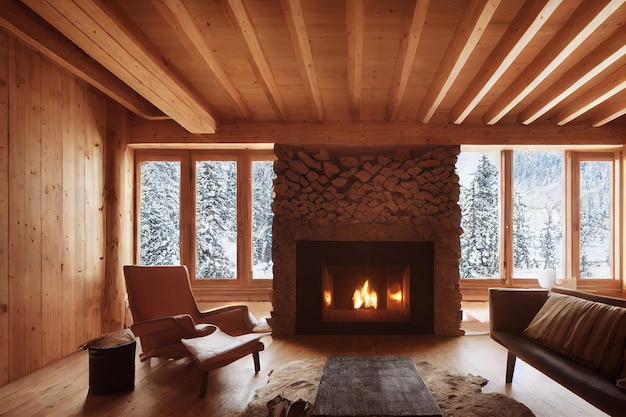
pixel 396 296
pixel 328 300
pixel 364 298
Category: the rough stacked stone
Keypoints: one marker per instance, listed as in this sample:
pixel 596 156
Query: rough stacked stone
pixel 404 187
pixel 408 194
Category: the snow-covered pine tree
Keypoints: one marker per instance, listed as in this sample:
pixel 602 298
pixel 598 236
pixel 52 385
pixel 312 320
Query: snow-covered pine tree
pixel 160 213
pixel 480 242
pixel 262 216
pixel 550 236
pixel 522 235
pixel 216 219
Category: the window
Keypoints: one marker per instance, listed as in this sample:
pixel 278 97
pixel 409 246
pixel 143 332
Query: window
pixel 209 211
pixel 479 177
pixel 262 216
pixel 159 197
pixel 216 219
pixel 538 212
pixel 538 209
pixel 594 214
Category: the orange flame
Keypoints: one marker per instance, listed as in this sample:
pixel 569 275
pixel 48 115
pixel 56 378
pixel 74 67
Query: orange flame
pixel 328 300
pixel 364 298
pixel 396 296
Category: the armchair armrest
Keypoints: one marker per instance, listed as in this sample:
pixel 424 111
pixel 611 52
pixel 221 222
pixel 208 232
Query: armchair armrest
pixel 512 309
pixel 234 320
pixel 180 324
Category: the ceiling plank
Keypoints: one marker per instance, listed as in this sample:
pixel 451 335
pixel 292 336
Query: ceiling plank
pixel 616 107
pixel 528 21
pixel 601 92
pixel 411 32
pixel 355 28
pixel 102 32
pixel 178 17
pixel 585 19
pixel 31 29
pixel 471 27
pixel 302 47
pixel 599 59
pixel 240 19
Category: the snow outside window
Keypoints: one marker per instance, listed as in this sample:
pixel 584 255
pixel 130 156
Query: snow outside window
pixel 216 219
pixel 538 212
pixel 595 239
pixel 479 178
pixel 262 216
pixel 159 237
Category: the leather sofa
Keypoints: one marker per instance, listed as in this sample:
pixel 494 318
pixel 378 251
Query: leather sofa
pixel 512 310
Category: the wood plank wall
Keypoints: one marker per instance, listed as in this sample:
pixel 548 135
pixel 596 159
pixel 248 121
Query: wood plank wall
pixel 53 131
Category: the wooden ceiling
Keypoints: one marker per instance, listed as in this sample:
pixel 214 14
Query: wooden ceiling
pixel 203 63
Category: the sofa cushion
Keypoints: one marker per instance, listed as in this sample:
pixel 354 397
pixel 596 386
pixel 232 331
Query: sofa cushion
pixel 588 332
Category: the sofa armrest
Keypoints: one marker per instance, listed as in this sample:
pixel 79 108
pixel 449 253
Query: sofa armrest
pixel 512 309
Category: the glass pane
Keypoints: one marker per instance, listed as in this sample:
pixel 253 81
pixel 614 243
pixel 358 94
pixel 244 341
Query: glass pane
pixel 216 219
pixel 159 237
pixel 479 178
pixel 595 219
pixel 538 208
pixel 262 215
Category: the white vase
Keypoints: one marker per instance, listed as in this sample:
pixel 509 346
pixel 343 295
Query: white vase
pixel 547 278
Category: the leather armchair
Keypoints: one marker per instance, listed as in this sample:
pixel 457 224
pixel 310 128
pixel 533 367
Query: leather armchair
pixel 165 311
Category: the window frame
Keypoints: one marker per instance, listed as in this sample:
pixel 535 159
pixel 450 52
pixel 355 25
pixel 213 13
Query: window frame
pixel 590 284
pixel 244 286
pixel 476 288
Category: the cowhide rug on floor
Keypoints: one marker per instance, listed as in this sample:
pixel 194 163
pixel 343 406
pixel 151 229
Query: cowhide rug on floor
pixel 292 388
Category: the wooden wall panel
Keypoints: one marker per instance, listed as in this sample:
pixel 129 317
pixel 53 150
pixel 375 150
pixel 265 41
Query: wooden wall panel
pixel 4 209
pixel 18 283
pixel 119 219
pixel 52 213
pixel 33 196
pixel 69 214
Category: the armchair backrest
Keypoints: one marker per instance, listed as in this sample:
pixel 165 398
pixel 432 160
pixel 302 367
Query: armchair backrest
pixel 159 291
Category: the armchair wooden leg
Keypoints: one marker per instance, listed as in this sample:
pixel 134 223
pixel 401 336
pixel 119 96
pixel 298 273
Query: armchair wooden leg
pixel 257 362
pixel 203 384
pixel 510 367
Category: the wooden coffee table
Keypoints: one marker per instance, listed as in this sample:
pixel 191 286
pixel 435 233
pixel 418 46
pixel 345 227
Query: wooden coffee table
pixel 367 386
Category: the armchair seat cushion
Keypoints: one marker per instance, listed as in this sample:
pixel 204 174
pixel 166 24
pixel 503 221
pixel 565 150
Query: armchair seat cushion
pixel 219 348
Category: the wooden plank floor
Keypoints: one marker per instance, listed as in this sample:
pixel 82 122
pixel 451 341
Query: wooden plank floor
pixel 165 388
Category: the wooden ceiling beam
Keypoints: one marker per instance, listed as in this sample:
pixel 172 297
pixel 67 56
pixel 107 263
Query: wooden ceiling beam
pixel 259 62
pixel 614 108
pixel 601 92
pixel 178 17
pixel 355 21
pixel 477 15
pixel 528 21
pixel 167 133
pixel 104 33
pixel 302 48
pixel 582 23
pixel 414 21
pixel 35 32
pixel 599 59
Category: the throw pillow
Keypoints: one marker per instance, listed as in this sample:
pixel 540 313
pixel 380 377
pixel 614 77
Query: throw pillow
pixel 588 332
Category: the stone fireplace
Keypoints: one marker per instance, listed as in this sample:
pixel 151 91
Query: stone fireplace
pixel 389 196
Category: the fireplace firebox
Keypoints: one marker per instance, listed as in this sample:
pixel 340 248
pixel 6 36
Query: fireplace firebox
pixel 354 287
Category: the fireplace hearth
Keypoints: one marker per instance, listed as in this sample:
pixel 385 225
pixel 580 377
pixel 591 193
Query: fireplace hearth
pixel 351 287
